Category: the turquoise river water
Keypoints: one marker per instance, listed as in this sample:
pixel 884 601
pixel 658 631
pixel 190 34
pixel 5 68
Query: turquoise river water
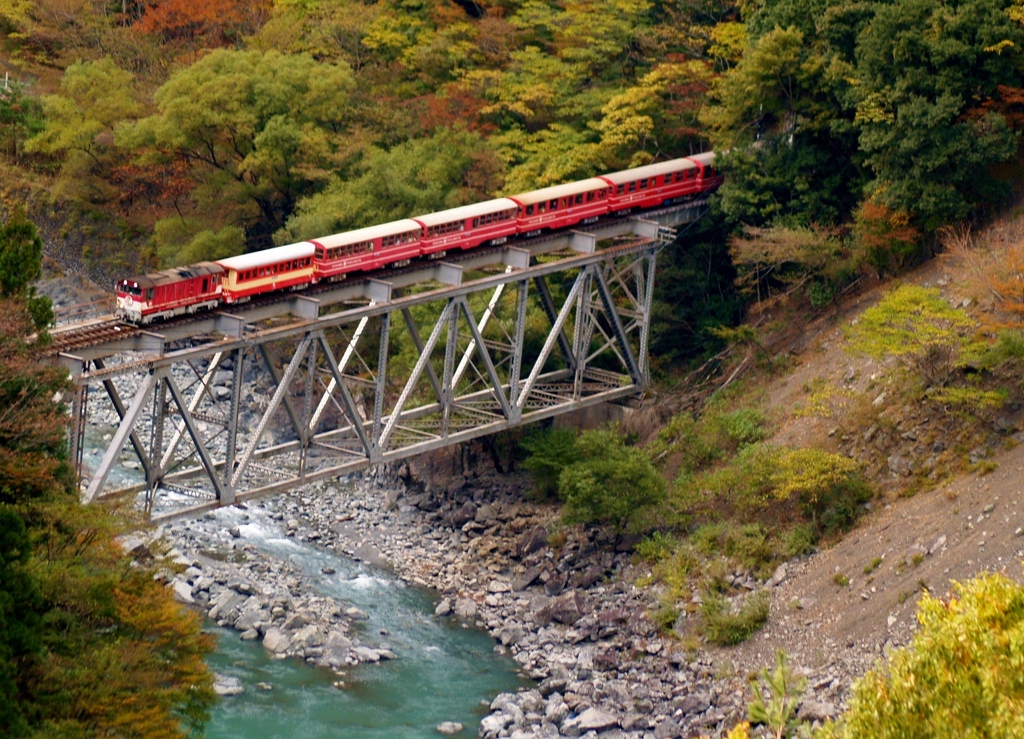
pixel 444 672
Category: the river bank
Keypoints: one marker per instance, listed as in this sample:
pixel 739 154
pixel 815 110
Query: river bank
pixel 559 606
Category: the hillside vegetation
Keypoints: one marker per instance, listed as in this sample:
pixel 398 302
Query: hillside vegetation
pixel 858 140
pixel 185 130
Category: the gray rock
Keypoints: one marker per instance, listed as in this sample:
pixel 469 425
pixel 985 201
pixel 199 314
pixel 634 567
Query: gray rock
pixel 937 546
pixel 485 514
pixel 526 579
pixel 668 729
pixel 816 711
pixel 594 719
pixel 556 711
pixel 449 728
pixel 466 609
pixel 182 592
pixel 532 541
pixel 493 724
pixel 444 608
pixel 898 465
pixel 355 614
pixel 365 654
pixel 276 641
pixel 566 609
pixel 225 685
pixel 250 635
pixel 694 703
pixel 778 576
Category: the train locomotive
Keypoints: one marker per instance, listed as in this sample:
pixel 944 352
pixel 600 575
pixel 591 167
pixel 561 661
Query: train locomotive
pixel 206 285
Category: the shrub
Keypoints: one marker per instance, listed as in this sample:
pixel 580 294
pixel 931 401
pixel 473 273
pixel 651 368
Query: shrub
pixel 799 540
pixel 961 676
pixel 611 484
pixel 749 546
pixel 655 548
pixel 724 627
pixel 917 327
pixel 551 451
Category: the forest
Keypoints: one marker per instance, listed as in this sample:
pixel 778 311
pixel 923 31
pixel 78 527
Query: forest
pixel 855 136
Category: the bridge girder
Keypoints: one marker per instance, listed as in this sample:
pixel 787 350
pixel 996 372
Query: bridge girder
pixel 264 408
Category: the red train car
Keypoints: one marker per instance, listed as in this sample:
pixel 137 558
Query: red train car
pixel 366 249
pixel 562 206
pixel 654 184
pixel 170 292
pixel 492 221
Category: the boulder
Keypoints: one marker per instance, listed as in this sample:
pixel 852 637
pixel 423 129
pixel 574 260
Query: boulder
pixel 365 654
pixel 182 592
pixel 566 609
pixel 276 641
pixel 594 719
pixel 225 686
pixel 466 609
pixel 444 608
pixel 532 541
pixel 449 728
pixel 526 579
pixel 816 711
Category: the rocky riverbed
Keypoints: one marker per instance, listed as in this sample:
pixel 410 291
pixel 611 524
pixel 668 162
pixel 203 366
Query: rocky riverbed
pixel 565 607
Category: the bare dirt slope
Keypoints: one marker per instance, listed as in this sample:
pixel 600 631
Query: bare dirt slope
pixel 835 629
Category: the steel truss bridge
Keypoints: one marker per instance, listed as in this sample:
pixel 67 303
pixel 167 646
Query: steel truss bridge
pixel 261 398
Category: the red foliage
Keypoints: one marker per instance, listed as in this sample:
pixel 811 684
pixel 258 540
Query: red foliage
pixel 192 19
pixel 155 185
pixel 1009 101
pixel 457 105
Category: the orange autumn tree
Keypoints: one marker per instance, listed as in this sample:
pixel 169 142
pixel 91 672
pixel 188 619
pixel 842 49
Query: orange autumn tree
pixel 211 20
pixel 90 643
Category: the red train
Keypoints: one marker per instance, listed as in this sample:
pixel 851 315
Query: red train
pixel 202 286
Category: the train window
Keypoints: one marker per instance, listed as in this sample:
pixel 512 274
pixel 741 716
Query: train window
pixel 553 205
pixel 542 207
pixel 643 184
pixel 476 222
pixel 579 199
pixel 529 210
pixel 149 294
pixel 206 284
pixel 632 187
pixel 621 189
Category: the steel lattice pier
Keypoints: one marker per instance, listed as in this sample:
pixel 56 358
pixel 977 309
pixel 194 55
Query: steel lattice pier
pixel 253 405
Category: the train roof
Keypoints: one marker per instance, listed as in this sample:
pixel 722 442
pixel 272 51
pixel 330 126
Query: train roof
pixel 175 274
pixel 560 191
pixel 653 170
pixel 268 256
pixel 708 157
pixel 467 211
pixel 367 234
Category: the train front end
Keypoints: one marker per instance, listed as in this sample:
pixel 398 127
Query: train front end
pixel 130 302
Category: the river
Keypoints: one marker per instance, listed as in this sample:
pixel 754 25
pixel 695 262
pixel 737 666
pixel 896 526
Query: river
pixel 444 671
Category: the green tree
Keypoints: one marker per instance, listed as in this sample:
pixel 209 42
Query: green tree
pixel 21 118
pixel 259 131
pixel 611 484
pixel 960 676
pixel 924 70
pixel 91 643
pixel 94 97
pixel 791 143
pixel 448 169
pixel 21 253
pixel 917 327
pixel 20 606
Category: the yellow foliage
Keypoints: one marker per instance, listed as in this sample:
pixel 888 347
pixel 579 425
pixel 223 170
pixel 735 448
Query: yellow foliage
pixel 962 676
